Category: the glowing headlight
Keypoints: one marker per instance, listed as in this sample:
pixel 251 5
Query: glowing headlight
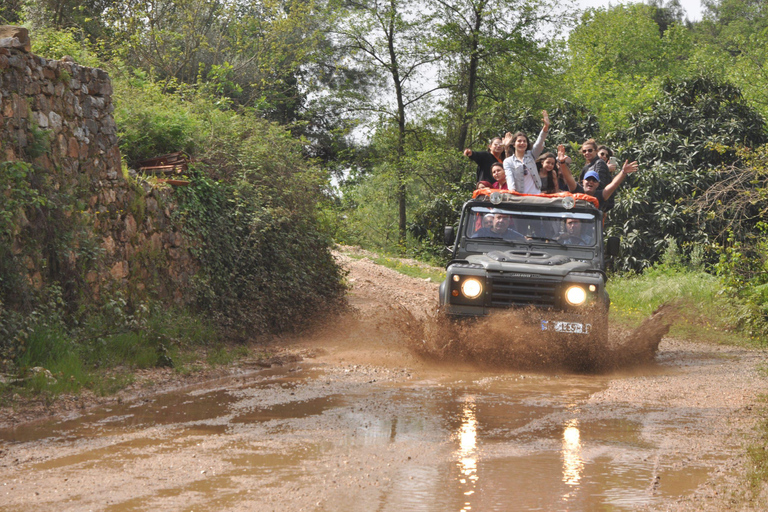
pixel 575 295
pixel 471 288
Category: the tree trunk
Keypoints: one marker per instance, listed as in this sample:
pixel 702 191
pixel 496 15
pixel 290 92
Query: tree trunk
pixel 400 149
pixel 474 62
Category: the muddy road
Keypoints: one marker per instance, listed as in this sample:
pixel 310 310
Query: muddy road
pixel 367 420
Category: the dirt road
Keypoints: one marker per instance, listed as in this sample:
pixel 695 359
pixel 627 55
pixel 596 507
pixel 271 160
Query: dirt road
pixel 364 422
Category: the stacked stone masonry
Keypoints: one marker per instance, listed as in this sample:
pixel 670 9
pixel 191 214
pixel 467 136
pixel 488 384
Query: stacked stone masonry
pixel 72 106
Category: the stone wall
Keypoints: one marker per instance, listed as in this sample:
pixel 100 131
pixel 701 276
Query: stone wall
pixel 68 108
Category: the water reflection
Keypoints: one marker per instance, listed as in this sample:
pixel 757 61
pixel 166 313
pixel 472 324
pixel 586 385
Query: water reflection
pixel 573 464
pixel 467 453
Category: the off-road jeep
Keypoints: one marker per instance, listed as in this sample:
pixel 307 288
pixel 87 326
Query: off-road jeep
pixel 545 253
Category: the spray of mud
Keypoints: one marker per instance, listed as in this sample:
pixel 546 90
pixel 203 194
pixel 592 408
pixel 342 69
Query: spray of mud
pixel 514 339
pixel 511 339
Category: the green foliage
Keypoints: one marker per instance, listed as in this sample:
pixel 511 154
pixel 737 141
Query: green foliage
pixel 54 44
pixel 672 142
pixel 617 57
pixel 435 212
pixel 151 122
pixel 11 12
pixel 488 51
pixel 412 270
pixel 248 52
pixel 743 269
pixel 224 355
pixel 47 238
pixel 252 207
pixel 95 349
pixel 253 210
pixel 263 265
pixel 705 309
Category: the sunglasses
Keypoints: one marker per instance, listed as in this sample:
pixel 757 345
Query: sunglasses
pixel 590 150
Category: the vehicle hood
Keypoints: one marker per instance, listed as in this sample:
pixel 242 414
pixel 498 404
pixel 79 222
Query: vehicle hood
pixel 535 262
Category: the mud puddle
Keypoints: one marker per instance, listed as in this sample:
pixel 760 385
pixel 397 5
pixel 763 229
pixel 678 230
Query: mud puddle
pixel 321 437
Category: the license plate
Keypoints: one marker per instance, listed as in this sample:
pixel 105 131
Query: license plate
pixel 569 327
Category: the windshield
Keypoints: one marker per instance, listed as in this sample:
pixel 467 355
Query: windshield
pixel 568 228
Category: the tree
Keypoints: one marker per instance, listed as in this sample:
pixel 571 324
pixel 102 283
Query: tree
pixel 673 139
pixel 253 54
pixel 666 15
pixel 733 39
pixel 476 37
pixel 83 16
pixel 167 38
pixel 10 12
pixel 386 39
pixel 619 57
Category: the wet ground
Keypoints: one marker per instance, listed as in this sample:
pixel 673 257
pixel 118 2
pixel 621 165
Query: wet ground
pixel 374 421
pixel 316 436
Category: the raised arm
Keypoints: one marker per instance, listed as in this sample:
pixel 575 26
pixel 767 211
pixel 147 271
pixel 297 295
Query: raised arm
pixel 613 186
pixel 565 168
pixel 538 146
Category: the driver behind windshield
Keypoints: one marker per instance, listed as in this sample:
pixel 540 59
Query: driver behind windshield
pixel 501 227
pixel 576 233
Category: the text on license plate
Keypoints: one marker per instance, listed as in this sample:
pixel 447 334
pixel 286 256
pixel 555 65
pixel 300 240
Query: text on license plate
pixel 572 327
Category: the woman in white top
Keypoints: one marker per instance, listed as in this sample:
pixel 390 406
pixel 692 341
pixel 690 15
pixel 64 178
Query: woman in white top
pixel 520 168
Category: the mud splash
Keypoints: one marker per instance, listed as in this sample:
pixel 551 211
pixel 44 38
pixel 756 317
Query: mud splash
pixel 514 340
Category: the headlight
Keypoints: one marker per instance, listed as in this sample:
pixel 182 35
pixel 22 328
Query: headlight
pixel 471 288
pixel 575 295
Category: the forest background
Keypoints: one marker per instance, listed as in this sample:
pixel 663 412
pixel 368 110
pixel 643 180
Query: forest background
pixel 363 108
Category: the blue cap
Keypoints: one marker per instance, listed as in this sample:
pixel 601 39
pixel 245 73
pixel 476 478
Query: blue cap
pixel 592 174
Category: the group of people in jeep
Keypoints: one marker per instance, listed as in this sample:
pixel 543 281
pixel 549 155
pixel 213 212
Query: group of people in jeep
pixel 503 224
pixel 512 163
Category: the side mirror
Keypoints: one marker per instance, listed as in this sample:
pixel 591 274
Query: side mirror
pixel 612 246
pixel 449 236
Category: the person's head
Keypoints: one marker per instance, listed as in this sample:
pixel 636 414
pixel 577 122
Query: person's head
pixel 605 153
pixel 573 226
pixel 498 173
pixel 589 149
pixel 488 220
pixel 495 145
pixel 483 184
pixel 520 142
pixel 591 182
pixel 546 163
pixel 501 222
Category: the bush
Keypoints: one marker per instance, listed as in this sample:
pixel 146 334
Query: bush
pixel 151 122
pixel 673 141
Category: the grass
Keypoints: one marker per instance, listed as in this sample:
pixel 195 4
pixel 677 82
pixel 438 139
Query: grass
pixel 224 355
pixel 705 312
pixel 757 452
pixel 103 353
pixel 409 269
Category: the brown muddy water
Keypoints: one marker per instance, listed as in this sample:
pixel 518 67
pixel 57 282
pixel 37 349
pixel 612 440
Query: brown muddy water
pixel 358 437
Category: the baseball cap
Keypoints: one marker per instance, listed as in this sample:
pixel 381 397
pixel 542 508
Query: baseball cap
pixel 592 174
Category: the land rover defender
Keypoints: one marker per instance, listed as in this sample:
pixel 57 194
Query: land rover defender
pixel 545 253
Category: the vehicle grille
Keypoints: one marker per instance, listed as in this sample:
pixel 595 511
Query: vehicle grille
pixel 509 291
